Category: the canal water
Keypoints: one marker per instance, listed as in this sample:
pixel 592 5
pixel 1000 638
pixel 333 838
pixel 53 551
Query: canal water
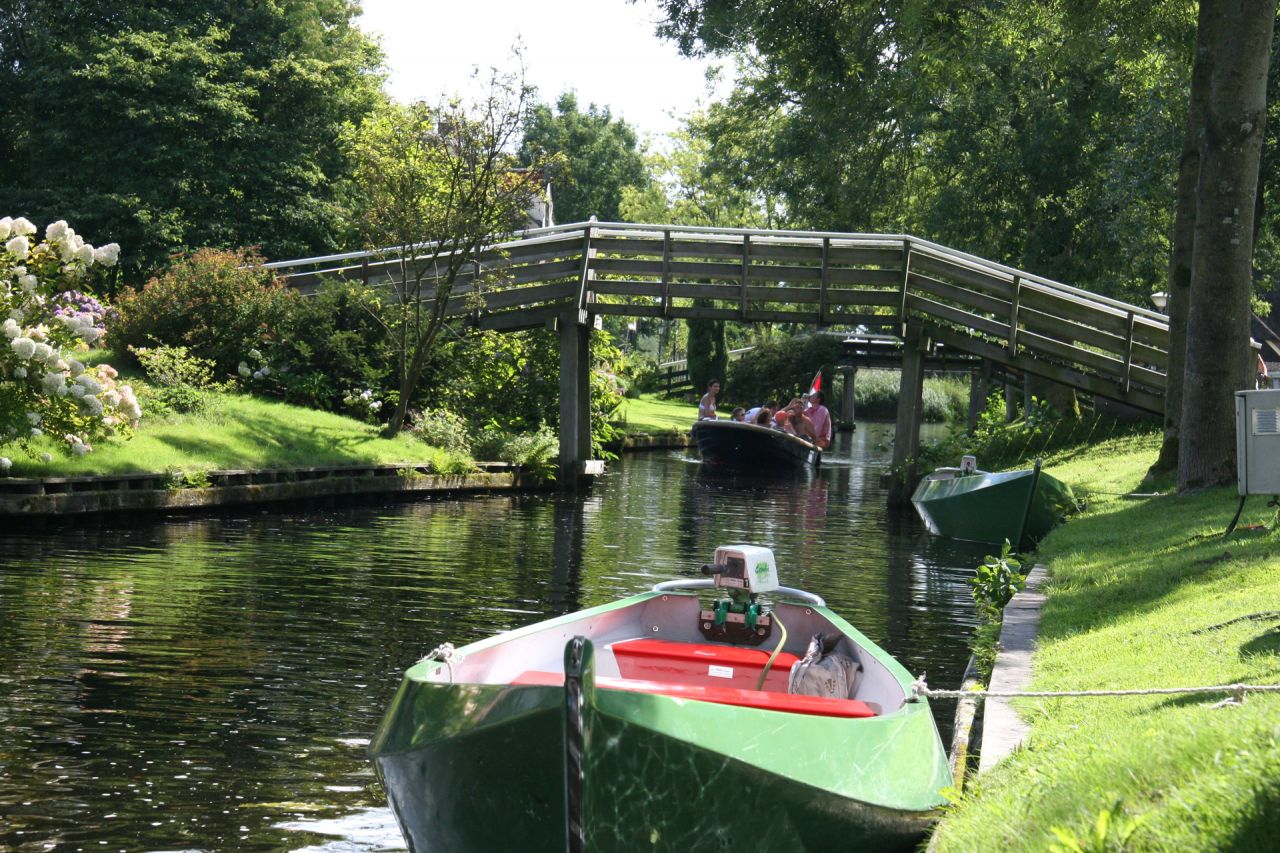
pixel 210 682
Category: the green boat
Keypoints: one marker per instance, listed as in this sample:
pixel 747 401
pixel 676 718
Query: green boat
pixel 757 722
pixel 1020 506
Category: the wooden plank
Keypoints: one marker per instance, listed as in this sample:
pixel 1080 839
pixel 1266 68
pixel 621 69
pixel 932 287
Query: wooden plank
pixel 666 271
pixel 705 291
pixel 825 278
pixel 629 246
pixel 988 283
pixel 938 311
pixel 906 277
pixel 627 266
pixel 876 278
pixel 628 288
pixel 1070 332
pixel 516 296
pixel 1138 398
pixel 746 268
pixel 1144 354
pixel 778 272
pixel 1069 307
pixel 514 321
pixel 849 296
pixel 1128 352
pixel 1076 356
pixel 867 255
pixel 627 309
pixel 954 293
pixel 759 315
pixel 1013 315
pixel 704 313
pixel 729 247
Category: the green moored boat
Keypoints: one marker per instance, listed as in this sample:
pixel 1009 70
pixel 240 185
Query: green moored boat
pixel 1020 506
pixel 666 722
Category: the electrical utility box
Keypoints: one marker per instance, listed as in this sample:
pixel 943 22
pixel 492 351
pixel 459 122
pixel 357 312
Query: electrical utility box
pixel 1258 441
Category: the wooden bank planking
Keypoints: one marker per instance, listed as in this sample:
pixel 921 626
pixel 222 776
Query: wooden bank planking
pixel 1017 320
pixel 22 498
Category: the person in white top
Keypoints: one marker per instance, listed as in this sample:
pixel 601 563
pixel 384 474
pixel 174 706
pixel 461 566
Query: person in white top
pixel 707 405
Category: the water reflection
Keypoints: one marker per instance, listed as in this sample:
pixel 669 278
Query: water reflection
pixel 210 682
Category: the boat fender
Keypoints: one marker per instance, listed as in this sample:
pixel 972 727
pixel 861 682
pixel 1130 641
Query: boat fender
pixel 824 673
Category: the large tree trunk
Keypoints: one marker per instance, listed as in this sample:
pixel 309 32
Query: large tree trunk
pixel 1184 230
pixel 1219 360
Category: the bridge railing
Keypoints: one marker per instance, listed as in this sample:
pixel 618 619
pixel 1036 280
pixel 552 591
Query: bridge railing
pixel 873 281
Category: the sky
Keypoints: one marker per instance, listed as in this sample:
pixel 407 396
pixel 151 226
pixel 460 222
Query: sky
pixel 605 50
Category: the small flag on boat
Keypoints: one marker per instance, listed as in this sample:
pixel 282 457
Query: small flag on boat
pixel 817 383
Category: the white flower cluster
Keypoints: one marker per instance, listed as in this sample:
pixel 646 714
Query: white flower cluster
pixel 39 374
pixel 262 371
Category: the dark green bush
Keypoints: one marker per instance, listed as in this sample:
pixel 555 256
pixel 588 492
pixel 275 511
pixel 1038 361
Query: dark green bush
pixel 332 345
pixel 217 303
pixel 783 369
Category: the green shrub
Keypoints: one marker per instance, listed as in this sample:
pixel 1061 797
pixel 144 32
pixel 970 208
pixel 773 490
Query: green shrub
pixel 331 343
pixel 180 383
pixel 217 303
pixel 783 369
pixel 944 398
pixel 535 452
pixel 441 428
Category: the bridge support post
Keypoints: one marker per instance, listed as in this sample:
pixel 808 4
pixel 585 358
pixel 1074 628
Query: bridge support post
pixel 906 434
pixel 979 390
pixel 847 392
pixel 575 399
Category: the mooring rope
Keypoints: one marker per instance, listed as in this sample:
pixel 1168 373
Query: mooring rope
pixel 443 653
pixel 1238 691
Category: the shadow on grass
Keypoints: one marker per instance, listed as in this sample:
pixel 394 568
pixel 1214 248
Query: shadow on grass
pixel 1155 545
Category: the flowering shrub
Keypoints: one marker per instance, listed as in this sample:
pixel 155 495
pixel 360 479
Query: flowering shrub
pixel 219 304
pixel 43 387
pixel 182 381
pixel 364 405
pixel 441 428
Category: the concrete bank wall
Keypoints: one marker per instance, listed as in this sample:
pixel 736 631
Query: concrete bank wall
pixel 656 441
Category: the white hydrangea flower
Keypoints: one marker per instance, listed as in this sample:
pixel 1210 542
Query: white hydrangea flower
pixel 22 226
pixel 20 372
pixel 93 404
pixel 27 283
pixel 89 383
pixel 254 354
pixel 36 432
pixel 46 457
pixel 257 374
pixel 34 418
pixel 75 367
pixel 55 383
pixel 6 227
pixel 42 351
pixel 55 230
pixel 5 464
pixel 243 370
pixel 76 390
pixel 24 347
pixel 18 246
pixel 10 328
pixel 111 398
pixel 84 255
pixel 16 315
pixel 266 370
pixel 107 255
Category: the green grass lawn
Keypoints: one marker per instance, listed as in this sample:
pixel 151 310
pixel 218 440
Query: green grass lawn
pixel 649 413
pixel 1135 583
pixel 235 431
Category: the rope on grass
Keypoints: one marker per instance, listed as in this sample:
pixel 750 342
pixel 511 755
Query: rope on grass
pixel 1237 692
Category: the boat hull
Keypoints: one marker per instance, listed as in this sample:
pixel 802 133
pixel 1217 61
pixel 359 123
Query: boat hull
pixel 482 767
pixel 994 507
pixel 748 448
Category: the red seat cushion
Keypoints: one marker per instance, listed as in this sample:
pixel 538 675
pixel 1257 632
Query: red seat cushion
pixel 704 664
pixel 764 700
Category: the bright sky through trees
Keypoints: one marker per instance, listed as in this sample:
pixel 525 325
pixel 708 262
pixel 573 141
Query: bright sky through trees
pixel 605 50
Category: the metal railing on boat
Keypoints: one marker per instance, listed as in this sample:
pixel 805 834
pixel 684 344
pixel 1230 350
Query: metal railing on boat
pixel 781 592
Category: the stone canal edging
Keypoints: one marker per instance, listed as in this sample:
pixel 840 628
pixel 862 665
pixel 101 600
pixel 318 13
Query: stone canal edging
pixel 59 496
pixel 1003 730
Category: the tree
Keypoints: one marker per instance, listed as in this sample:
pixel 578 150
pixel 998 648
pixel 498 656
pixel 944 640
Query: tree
pixel 1218 358
pixel 437 184
pixel 595 157
pixel 170 126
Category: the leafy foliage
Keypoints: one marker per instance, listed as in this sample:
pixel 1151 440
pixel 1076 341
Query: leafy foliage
pixel 181 381
pixel 782 368
pixel 442 428
pixel 592 157
pixel 997 579
pixel 217 304
pixel 708 355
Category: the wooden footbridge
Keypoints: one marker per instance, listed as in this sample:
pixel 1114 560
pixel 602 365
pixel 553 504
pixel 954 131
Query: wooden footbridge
pixel 564 277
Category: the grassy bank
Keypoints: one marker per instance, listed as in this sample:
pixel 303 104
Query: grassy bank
pixel 1135 584
pixel 650 414
pixel 237 431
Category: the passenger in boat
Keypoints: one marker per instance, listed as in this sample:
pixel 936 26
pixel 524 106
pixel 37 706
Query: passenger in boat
pixel 707 405
pixel 755 413
pixel 739 415
pixel 780 418
pixel 820 418
pixel 797 423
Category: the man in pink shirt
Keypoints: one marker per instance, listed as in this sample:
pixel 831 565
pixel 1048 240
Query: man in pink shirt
pixel 821 420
